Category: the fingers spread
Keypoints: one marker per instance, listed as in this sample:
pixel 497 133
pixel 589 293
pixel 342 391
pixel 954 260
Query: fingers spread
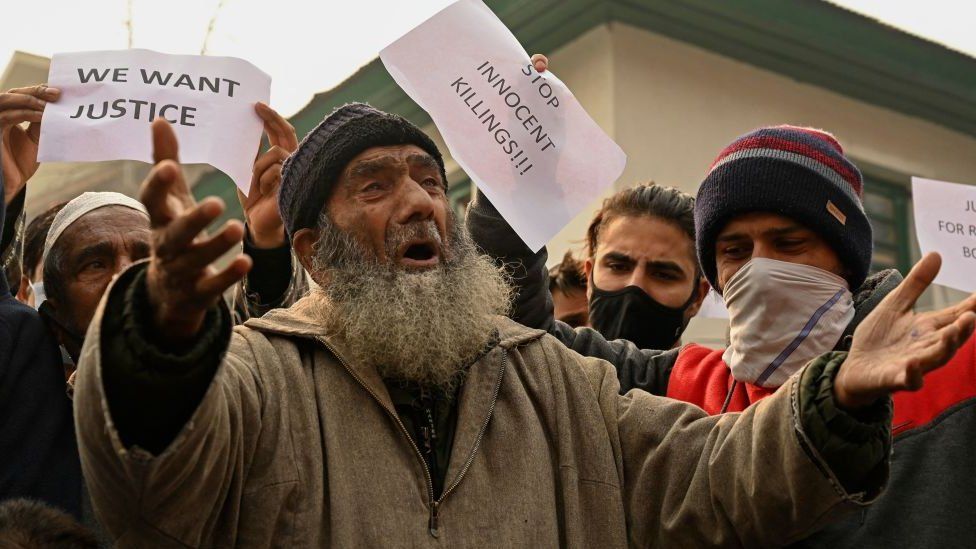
pixel 213 286
pixel 939 349
pixel 176 238
pixel 967 326
pixel 903 298
pixel 200 254
pixel 156 191
pixel 951 314
pixel 165 146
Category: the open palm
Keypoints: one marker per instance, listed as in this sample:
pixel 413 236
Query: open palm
pixel 895 347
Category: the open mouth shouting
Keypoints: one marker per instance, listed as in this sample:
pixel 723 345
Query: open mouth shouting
pixel 418 254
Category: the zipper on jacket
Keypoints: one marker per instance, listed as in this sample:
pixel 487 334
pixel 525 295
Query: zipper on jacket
pixel 434 504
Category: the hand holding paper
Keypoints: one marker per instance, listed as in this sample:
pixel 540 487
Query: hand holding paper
pixel 19 151
pixel 521 136
pixel 264 224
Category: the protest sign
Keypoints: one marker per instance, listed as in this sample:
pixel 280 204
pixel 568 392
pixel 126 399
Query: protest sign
pixel 945 222
pixel 521 136
pixel 109 98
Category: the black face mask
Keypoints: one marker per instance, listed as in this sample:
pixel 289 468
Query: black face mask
pixel 631 314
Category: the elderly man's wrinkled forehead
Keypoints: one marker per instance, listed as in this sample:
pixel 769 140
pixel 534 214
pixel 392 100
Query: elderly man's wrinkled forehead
pixel 388 161
pixel 107 230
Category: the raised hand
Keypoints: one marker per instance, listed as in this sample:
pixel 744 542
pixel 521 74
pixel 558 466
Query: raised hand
pixel 181 281
pixel 18 155
pixel 894 347
pixel 261 205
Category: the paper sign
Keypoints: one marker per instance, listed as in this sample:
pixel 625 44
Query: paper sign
pixel 521 136
pixel 945 222
pixel 713 306
pixel 109 98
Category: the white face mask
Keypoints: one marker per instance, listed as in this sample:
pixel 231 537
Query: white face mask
pixel 39 297
pixel 782 316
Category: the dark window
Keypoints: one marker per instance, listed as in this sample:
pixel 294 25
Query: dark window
pixel 459 194
pixel 887 205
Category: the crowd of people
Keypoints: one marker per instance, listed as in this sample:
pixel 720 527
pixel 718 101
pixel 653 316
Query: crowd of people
pixel 368 369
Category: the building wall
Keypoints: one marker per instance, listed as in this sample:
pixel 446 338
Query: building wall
pixel 676 106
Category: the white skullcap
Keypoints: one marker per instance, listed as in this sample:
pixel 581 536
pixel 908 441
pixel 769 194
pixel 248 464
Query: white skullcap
pixel 75 209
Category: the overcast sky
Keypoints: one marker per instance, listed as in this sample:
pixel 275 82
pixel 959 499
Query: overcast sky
pixel 312 46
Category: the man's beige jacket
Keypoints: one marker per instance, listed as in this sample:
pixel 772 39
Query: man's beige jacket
pixel 294 446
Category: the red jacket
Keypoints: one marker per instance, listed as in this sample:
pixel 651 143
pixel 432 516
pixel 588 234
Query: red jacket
pixel 701 377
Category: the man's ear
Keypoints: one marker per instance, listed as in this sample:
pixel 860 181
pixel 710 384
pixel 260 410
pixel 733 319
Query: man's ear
pixel 25 293
pixel 303 242
pixel 703 288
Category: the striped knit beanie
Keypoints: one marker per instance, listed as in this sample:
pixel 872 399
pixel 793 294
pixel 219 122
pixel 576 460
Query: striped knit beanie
pixel 800 173
pixel 310 173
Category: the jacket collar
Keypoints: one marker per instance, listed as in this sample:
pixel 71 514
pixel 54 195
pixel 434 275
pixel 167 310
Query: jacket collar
pixel 867 298
pixel 299 321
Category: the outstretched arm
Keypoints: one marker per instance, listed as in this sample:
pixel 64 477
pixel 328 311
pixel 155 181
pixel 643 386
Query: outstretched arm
pixel 781 469
pixel 163 330
pixel 167 402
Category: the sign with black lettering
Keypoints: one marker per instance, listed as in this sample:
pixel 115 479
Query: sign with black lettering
pixel 108 99
pixel 521 136
pixel 945 221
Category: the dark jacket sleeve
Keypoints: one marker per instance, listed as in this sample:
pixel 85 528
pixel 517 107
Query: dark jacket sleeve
pixel 151 389
pixel 855 445
pixel 532 305
pixel 644 369
pixel 12 239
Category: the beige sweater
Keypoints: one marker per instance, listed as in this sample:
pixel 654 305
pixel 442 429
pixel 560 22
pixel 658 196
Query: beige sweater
pixel 293 446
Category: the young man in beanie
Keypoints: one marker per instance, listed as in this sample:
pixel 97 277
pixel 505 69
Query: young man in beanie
pixel 783 235
pixel 643 283
pixel 394 405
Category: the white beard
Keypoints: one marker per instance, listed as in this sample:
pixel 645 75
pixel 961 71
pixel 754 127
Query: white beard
pixel 424 327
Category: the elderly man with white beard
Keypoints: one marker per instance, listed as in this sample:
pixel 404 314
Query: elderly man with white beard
pixel 395 406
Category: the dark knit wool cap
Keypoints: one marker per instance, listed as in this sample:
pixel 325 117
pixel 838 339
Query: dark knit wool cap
pixel 310 173
pixel 800 173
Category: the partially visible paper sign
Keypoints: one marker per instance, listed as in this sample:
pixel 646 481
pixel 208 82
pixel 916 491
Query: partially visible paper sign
pixel 521 136
pixel 109 98
pixel 713 306
pixel 945 222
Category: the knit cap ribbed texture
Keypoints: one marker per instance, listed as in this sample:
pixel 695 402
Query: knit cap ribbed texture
pixel 800 173
pixel 310 173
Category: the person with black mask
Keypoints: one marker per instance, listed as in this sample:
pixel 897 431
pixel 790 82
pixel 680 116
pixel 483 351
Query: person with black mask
pixel 644 282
